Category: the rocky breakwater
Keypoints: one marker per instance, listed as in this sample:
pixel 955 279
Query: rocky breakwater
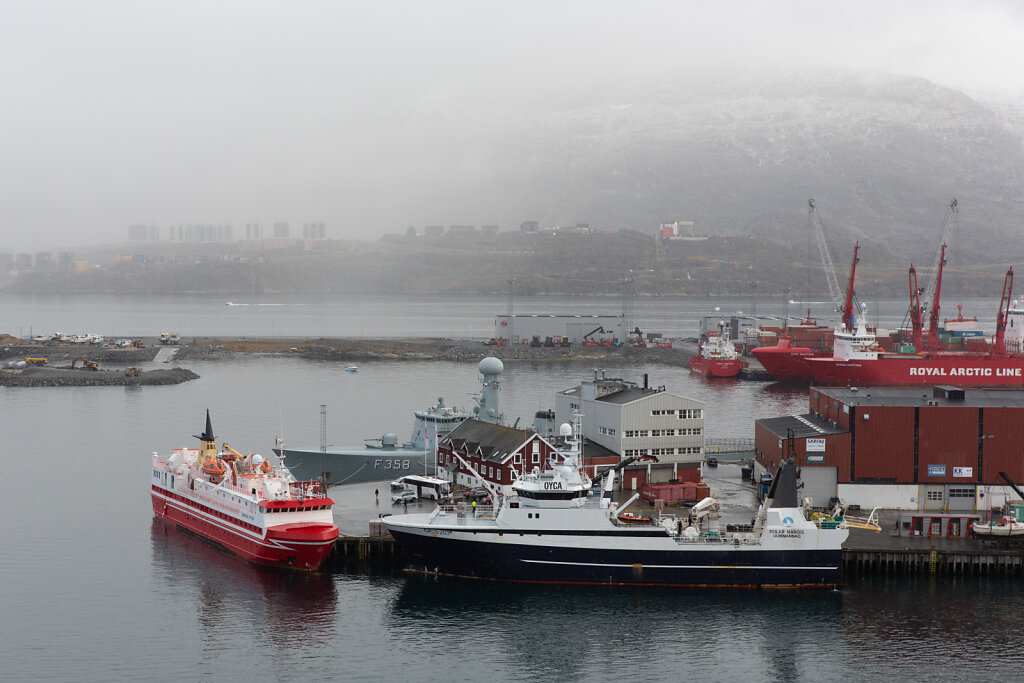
pixel 63 377
pixel 349 350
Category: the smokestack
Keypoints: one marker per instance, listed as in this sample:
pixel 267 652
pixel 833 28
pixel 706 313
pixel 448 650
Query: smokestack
pixel 645 380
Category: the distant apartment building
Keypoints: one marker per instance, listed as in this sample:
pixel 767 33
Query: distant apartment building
pixel 253 231
pixel 679 230
pixel 433 230
pixel 282 230
pixel 314 231
pixel 44 260
pixel 23 261
pixel 462 229
pixel 65 260
pixel 144 232
pixel 529 226
pixel 202 232
pixel 410 231
pixel 490 229
pixel 6 262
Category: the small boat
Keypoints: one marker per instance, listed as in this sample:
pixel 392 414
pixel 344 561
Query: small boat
pixel 351 368
pixel 630 518
pixel 1003 528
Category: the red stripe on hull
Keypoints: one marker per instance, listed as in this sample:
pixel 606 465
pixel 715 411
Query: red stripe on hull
pixel 981 370
pixel 295 546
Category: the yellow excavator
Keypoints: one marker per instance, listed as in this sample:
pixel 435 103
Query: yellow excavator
pixel 86 363
pixel 132 372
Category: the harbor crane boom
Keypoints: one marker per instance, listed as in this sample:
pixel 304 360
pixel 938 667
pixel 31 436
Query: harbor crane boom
pixel 814 220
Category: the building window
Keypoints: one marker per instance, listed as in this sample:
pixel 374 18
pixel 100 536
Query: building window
pixel 536 458
pixel 935 495
pixel 517 458
pixel 536 446
pixel 961 493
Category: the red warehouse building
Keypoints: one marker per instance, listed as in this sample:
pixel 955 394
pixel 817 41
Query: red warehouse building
pixel 929 448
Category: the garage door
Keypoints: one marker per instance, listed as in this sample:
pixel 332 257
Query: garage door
pixel 819 483
pixel 960 497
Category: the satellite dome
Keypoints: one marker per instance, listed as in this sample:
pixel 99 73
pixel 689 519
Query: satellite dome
pixel 257 460
pixel 565 429
pixel 491 366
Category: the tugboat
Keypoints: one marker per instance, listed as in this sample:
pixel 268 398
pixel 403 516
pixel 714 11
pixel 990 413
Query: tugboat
pixel 717 357
pixel 552 528
pixel 244 504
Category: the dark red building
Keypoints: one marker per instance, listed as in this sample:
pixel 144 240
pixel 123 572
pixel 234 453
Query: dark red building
pixel 936 448
pixel 498 452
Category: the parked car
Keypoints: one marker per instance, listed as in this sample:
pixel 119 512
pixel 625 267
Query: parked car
pixel 712 462
pixel 403 497
pixel 397 484
pixel 477 494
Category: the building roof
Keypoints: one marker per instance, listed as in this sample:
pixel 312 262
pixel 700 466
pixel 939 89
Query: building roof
pixel 630 395
pixel 803 426
pixel 938 395
pixel 495 442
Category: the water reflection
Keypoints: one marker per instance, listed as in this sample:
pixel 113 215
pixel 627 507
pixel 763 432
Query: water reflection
pixel 615 629
pixel 231 595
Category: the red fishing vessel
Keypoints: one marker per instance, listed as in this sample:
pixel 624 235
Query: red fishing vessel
pixel 858 361
pixel 717 357
pixel 244 504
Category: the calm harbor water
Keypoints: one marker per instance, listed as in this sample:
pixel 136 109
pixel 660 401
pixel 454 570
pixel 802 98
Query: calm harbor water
pixel 93 589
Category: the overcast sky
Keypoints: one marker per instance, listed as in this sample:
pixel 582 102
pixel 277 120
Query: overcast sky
pixel 235 111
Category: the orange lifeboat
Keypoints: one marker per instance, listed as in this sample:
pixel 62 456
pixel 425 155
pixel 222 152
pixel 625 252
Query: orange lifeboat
pixel 214 468
pixel 630 518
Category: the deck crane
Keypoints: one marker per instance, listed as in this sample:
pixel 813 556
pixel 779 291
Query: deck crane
pixel 930 291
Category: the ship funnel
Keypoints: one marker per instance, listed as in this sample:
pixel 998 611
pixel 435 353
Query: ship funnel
pixel 208 434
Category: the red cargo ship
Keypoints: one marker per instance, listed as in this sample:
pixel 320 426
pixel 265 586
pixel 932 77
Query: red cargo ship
pixel 244 504
pixel 787 361
pixel 858 361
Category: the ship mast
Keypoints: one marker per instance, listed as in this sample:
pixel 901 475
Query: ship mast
pixel 915 308
pixel 999 346
pixel 848 306
pixel 933 318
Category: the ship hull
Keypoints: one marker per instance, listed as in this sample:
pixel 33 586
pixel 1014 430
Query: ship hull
pixel 568 560
pixel 354 467
pixel 713 367
pixel 302 546
pixel 972 370
pixel 787 364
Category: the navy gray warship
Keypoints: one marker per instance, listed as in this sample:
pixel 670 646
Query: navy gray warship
pixel 385 458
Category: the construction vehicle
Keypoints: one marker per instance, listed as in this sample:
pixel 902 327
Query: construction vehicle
pixel 39 362
pixel 549 341
pixel 563 341
pixel 588 338
pixel 536 341
pixel 132 372
pixel 86 364
pixel 495 341
pixel 138 343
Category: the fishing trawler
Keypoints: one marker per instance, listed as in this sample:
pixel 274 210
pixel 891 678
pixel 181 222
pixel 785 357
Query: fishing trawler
pixel 384 458
pixel 553 528
pixel 243 504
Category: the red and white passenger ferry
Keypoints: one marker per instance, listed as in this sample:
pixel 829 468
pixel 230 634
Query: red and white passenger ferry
pixel 244 504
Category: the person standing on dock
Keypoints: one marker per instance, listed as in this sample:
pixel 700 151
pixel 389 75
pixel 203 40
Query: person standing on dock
pixel 376 496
